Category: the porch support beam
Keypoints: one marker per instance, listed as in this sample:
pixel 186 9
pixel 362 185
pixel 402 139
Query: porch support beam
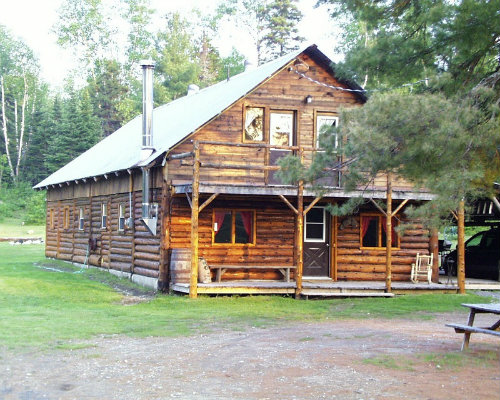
pixel 398 209
pixel 313 203
pixel 300 234
pixel 193 281
pixel 189 200
pixel 388 245
pixel 208 201
pixel 434 250
pixel 461 247
pixel 378 207
pixel 285 200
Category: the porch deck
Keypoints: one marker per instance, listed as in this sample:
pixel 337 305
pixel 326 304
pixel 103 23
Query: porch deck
pixel 328 288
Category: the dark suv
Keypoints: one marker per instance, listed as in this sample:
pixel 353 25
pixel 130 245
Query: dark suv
pixel 482 256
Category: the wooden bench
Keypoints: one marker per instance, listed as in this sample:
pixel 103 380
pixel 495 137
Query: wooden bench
pixel 284 269
pixel 459 328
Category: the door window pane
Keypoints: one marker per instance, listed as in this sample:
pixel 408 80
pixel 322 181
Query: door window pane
pixel 281 129
pixel 315 225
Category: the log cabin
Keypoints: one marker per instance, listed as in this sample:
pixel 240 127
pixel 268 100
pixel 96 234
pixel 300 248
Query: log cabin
pixel 195 179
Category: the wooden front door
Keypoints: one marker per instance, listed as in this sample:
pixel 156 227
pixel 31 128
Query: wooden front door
pixel 317 243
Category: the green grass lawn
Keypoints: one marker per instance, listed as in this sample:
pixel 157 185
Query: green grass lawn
pixel 13 227
pixel 42 307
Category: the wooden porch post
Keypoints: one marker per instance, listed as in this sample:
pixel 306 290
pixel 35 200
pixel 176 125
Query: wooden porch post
pixel 434 250
pixel 163 275
pixel 388 235
pixel 461 248
pixel 300 235
pixel 193 282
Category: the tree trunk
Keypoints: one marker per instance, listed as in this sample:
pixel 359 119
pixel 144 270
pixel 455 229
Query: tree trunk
pixel 4 128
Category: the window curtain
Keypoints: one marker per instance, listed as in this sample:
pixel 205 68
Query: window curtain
pixel 394 235
pixel 219 219
pixel 246 216
pixel 365 223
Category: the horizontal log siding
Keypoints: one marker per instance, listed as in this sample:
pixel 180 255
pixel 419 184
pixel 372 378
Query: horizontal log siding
pixel 285 91
pixel 132 250
pixel 274 237
pixel 354 263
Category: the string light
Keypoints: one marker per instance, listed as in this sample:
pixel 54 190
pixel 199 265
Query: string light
pixel 425 80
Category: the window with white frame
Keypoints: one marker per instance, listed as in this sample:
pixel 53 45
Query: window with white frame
pixel 315 225
pixel 121 217
pixel 324 122
pixel 81 220
pixel 281 128
pixel 104 215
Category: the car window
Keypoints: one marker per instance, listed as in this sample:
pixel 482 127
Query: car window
pixel 475 241
pixel 492 242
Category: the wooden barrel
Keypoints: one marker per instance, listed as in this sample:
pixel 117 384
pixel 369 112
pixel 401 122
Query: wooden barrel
pixel 180 265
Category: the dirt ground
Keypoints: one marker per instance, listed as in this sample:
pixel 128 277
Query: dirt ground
pixel 314 360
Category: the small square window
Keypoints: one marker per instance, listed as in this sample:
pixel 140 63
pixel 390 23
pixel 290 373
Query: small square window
pixel 373 231
pixel 233 227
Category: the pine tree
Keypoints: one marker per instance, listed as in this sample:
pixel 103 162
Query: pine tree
pixel 282 17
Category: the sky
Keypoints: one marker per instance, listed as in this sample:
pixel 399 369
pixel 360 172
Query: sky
pixel 32 21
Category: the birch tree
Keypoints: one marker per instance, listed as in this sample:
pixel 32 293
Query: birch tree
pixel 18 89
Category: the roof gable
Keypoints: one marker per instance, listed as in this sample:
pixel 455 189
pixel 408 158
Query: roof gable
pixel 172 123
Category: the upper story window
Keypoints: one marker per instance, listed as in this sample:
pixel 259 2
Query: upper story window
pixel 121 217
pixel 373 231
pixel 254 124
pixel 324 121
pixel 281 128
pixel 104 215
pixel 81 220
pixel 233 227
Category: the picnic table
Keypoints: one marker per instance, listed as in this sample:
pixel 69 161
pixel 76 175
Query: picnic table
pixel 468 329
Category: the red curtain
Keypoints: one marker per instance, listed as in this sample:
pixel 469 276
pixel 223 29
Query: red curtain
pixel 246 217
pixel 365 223
pixel 393 232
pixel 219 219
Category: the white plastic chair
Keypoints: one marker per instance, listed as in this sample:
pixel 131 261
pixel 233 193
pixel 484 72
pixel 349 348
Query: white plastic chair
pixel 422 268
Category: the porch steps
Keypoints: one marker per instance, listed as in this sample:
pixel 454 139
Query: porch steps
pixel 313 293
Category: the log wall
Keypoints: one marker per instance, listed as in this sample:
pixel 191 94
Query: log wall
pixel 133 250
pixel 356 263
pixel 275 227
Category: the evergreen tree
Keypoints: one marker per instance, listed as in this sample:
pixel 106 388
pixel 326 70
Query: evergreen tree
pixel 282 17
pixel 177 66
pixel 108 93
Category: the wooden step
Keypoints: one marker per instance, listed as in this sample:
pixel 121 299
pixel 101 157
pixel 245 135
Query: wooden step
pixel 345 294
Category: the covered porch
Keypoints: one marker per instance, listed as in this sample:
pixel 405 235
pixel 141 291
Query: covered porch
pixel 330 288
